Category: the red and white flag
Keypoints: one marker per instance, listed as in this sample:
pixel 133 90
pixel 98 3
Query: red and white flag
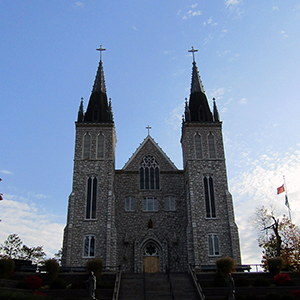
pixel 280 189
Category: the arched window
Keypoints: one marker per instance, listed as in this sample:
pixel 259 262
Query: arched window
pixel 198 146
pixel 86 146
pixel 149 173
pixel 209 197
pixel 89 246
pixel 100 146
pixel 213 245
pixel 91 197
pixel 211 146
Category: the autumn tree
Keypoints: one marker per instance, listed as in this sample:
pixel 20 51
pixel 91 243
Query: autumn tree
pixel 14 248
pixel 277 237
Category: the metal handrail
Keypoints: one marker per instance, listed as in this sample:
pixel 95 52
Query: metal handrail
pixel 196 282
pixel 117 284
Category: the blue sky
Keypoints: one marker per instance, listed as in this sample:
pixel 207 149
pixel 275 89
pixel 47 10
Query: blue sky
pixel 248 59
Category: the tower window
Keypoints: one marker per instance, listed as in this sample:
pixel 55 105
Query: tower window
pixel 100 146
pixel 86 146
pixel 89 246
pixel 150 204
pixel 213 245
pixel 91 197
pixel 211 146
pixel 198 146
pixel 129 204
pixel 170 203
pixel 209 197
pixel 149 173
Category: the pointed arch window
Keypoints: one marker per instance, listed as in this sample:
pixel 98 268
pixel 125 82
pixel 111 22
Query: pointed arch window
pixel 198 146
pixel 100 146
pixel 211 146
pixel 209 197
pixel 87 146
pixel 213 245
pixel 91 197
pixel 149 173
pixel 89 246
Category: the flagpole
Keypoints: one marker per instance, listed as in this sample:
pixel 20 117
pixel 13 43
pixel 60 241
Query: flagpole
pixel 286 199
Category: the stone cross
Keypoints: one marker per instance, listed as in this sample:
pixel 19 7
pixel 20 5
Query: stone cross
pixel 148 127
pixel 193 50
pixel 100 49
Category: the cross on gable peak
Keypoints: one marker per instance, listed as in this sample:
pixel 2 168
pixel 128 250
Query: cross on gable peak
pixel 101 49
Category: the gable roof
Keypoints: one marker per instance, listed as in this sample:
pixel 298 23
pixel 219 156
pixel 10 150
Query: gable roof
pixel 149 139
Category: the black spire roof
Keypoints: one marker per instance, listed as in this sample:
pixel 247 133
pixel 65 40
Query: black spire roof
pixel 198 109
pixel 98 109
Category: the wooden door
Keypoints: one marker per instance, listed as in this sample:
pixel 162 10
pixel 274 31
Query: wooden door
pixel 151 264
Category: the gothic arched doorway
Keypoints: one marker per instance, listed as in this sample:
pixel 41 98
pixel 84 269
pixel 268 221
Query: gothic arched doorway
pixel 151 258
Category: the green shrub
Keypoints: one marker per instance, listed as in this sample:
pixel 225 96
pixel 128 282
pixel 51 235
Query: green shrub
pixel 6 267
pixel 273 296
pixel 21 285
pixel 58 284
pixel 95 265
pixel 275 265
pixel 225 265
pixel 261 281
pixel 52 268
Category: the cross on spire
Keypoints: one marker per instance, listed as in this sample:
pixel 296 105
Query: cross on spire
pixel 100 49
pixel 193 50
pixel 148 127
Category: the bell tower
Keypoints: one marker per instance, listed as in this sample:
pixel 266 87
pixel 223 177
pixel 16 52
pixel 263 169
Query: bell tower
pixel 90 229
pixel 211 228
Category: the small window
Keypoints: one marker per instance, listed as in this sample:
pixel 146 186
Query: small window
pixel 100 146
pixel 211 146
pixel 170 203
pixel 213 245
pixel 198 146
pixel 150 204
pixel 87 146
pixel 89 246
pixel 129 204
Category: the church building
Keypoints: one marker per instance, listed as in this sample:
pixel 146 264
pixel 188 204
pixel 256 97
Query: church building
pixel 150 215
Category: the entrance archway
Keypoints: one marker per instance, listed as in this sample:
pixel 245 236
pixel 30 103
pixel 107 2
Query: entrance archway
pixel 151 258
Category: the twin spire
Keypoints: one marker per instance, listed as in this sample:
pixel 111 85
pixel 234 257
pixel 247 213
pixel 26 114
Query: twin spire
pixel 99 110
pixel 197 109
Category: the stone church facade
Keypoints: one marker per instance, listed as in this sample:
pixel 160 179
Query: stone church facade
pixel 149 215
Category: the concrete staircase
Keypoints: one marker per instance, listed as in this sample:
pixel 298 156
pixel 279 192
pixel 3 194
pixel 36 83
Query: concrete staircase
pixel 157 286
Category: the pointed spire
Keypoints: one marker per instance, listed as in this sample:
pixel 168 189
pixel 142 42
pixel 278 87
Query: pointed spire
pixel 196 85
pixel 80 111
pixel 98 109
pixel 216 113
pixel 99 84
pixel 187 112
pixel 199 110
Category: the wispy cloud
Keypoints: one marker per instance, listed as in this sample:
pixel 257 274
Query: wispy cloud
pixel 257 187
pixel 6 172
pixel 32 224
pixel 275 8
pixel 192 12
pixel 78 4
pixel 243 101
pixel 284 35
pixel 175 117
pixel 210 22
pixel 231 2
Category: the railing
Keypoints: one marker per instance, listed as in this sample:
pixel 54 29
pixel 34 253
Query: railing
pixel 196 282
pixel 170 283
pixel 117 283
